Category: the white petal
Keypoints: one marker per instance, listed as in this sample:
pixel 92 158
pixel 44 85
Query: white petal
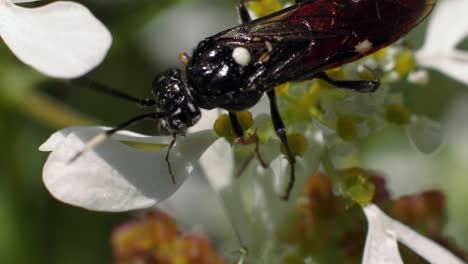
pixel 207 120
pixel 270 183
pixel 442 37
pixel 62 39
pixel 262 107
pixel 448 25
pixel 194 205
pixel 381 241
pixel 116 177
pixel 425 134
pixel 280 169
pixel 218 166
pixel 455 65
pixel 58 137
pixel 452 63
pixel 24 1
pixel 428 249
pixel 381 245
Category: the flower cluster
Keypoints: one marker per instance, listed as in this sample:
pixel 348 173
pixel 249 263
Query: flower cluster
pixel 156 239
pixel 323 228
pixel 342 231
pixel 325 125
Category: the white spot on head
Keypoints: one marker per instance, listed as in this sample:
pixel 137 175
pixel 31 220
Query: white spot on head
pixel 363 46
pixel 242 56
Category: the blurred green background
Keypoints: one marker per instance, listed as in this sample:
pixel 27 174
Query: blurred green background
pixel 35 228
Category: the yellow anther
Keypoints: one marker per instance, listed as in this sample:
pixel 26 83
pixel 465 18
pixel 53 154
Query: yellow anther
pixel 380 54
pixel 346 128
pixel 298 144
pixel 265 7
pixel 336 73
pixel 405 62
pixel 356 185
pixel 246 119
pixel 223 128
pixel 280 89
pixel 397 114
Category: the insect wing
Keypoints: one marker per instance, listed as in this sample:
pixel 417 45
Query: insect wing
pixel 347 30
pixel 324 34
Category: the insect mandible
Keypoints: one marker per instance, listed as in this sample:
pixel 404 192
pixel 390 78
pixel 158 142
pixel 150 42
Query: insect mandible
pixel 234 68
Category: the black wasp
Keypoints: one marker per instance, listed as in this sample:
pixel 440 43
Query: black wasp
pixel 234 68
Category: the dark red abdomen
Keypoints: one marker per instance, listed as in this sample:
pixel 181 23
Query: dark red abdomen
pixel 346 30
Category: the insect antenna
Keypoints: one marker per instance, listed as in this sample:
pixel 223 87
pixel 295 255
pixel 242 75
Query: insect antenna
pixel 99 138
pixel 143 102
pixel 104 89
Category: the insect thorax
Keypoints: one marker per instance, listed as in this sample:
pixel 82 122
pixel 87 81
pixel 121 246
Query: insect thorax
pixel 218 74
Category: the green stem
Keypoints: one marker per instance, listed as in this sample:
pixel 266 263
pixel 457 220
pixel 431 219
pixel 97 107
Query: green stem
pixel 243 253
pixel 267 252
pixel 51 112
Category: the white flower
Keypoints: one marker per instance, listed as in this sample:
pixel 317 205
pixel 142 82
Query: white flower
pixel 62 39
pixel 383 236
pixel 116 177
pixel 447 27
pixel 254 220
pixel 236 213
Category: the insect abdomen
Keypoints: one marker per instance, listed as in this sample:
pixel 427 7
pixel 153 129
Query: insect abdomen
pixel 346 30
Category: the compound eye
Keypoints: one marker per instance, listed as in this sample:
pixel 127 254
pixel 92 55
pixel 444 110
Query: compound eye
pixel 241 56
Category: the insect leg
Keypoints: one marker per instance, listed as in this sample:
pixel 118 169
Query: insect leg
pixel 241 139
pixel 171 145
pixel 356 85
pixel 236 126
pixel 99 87
pixel 243 11
pixel 99 138
pixel 281 133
